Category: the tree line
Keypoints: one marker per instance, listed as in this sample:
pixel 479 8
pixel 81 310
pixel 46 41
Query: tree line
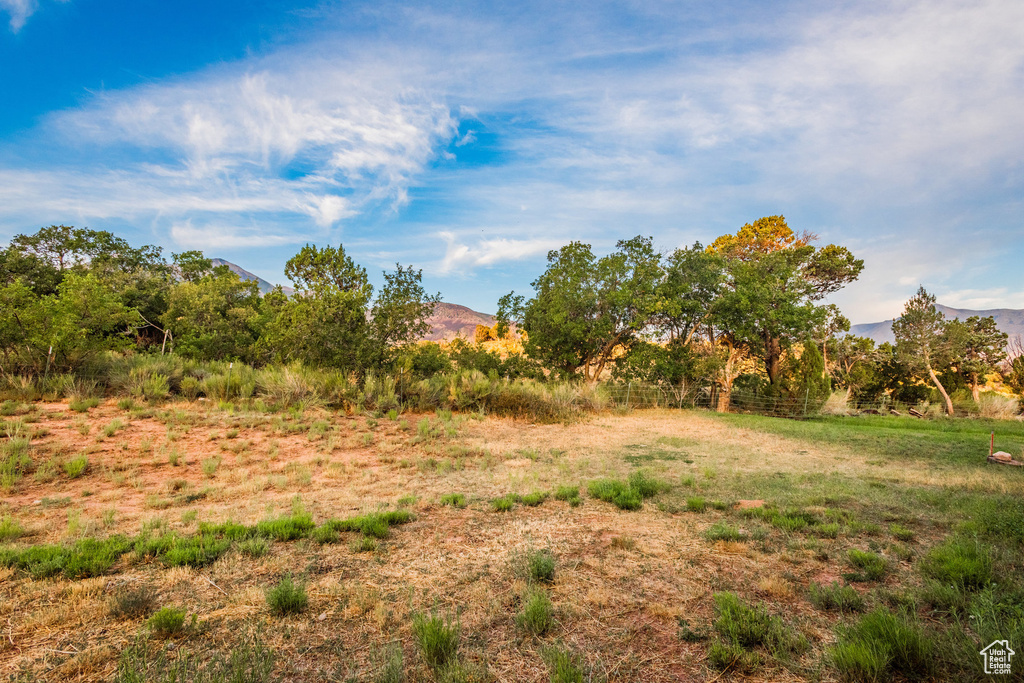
pixel 746 311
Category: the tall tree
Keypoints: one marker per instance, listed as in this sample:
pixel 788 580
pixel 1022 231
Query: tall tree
pixel 775 278
pixel 586 310
pixel 978 348
pixel 920 339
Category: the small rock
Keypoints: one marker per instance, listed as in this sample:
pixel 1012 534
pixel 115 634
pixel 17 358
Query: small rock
pixel 1002 455
pixel 322 616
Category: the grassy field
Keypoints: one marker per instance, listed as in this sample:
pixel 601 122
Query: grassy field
pixel 214 542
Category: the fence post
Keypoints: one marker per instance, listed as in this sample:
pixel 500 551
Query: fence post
pixel 629 387
pixel 807 395
pixel 49 354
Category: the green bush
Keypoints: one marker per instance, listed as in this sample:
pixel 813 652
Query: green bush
pixel 835 597
pixel 871 565
pixel 569 494
pixel 504 503
pixel 960 562
pixel 287 528
pixel 325 534
pixel 287 597
pixel 536 498
pixel 253 547
pixel 747 626
pixel 76 466
pixel 541 565
pixel 696 504
pixel 563 666
pixel 168 621
pixel 646 485
pixel 86 558
pixel 882 644
pixel 437 637
pixel 536 616
pixel 456 500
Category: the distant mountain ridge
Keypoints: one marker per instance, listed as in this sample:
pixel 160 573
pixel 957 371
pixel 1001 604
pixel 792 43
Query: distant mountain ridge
pixel 1008 320
pixel 447 322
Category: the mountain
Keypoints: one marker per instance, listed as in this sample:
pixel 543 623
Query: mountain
pixel 451 320
pixel 264 286
pixel 1008 320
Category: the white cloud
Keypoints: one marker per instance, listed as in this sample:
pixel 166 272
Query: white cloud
pixel 20 11
pixel 463 257
pixel 224 237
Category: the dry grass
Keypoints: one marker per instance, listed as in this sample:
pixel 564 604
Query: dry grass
pixel 623 579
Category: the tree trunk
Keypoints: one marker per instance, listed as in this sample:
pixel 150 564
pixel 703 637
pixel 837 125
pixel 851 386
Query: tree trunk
pixel 942 390
pixel 728 374
pixel 772 359
pixel 724 393
pixel 975 389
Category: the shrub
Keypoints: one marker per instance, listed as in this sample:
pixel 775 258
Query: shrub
pixel 503 504
pixel 287 597
pixel 835 597
pixel 14 461
pixel 541 565
pixel 10 529
pixel 960 562
pixel 86 558
pixel 167 622
pixel 536 498
pixel 563 666
pixel 82 405
pixel 723 655
pixel 536 616
pixel 882 644
pixel 569 494
pixel 325 534
pixel 456 500
pixel 615 492
pixel 437 637
pixel 210 465
pixel 872 566
pixel 647 486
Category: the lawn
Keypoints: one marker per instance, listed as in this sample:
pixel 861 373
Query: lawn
pixel 219 542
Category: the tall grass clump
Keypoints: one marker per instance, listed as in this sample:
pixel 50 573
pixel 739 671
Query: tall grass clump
pixel 744 626
pixel 882 645
pixel 964 563
pixel 287 597
pixel 437 637
pixel 834 597
pixel 536 616
pixel 14 461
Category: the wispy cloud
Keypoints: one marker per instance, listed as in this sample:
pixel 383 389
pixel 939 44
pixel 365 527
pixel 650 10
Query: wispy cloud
pixel 20 11
pixel 463 257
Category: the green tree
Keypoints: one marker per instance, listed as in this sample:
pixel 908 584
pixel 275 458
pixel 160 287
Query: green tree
pixel 978 347
pixel 920 339
pixel 853 363
pixel 216 317
pixel 775 278
pixel 585 310
pixel 399 313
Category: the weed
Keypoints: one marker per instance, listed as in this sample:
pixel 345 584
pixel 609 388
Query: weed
pixel 10 529
pixel 168 621
pixel 830 530
pixel 835 597
pixel 82 405
pixel 406 501
pixel 287 528
pixel 647 486
pixel 724 655
pixel 325 534
pixel 503 504
pixel 536 498
pixel 287 597
pixel 437 637
pixel 902 533
pixel 746 626
pixel 871 565
pixel 624 543
pixel 210 465
pixel 364 544
pixel 569 494
pixel 564 666
pixel 108 517
pixel 456 500
pixel 536 616
pixel 111 429
pixel 14 461
pixel 615 492
pixel 76 466
pixel 541 565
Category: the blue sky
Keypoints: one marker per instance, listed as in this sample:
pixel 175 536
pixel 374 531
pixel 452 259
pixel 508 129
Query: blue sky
pixel 468 139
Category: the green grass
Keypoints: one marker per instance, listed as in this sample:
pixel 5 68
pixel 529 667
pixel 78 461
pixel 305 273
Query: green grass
pixel 82 405
pixel 536 616
pixel 10 529
pixel 749 626
pixel 246 663
pixel 871 565
pixel 85 558
pixel 168 621
pixel 541 565
pixel 438 639
pixel 628 495
pixel 882 644
pixel 456 500
pixel 696 504
pixel 835 598
pixel 720 531
pixel 564 666
pixel 569 494
pixel 287 597
pixel 964 563
pixel 287 528
pixel 14 461
pixel 75 467
pixel 503 504
pixel 902 533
